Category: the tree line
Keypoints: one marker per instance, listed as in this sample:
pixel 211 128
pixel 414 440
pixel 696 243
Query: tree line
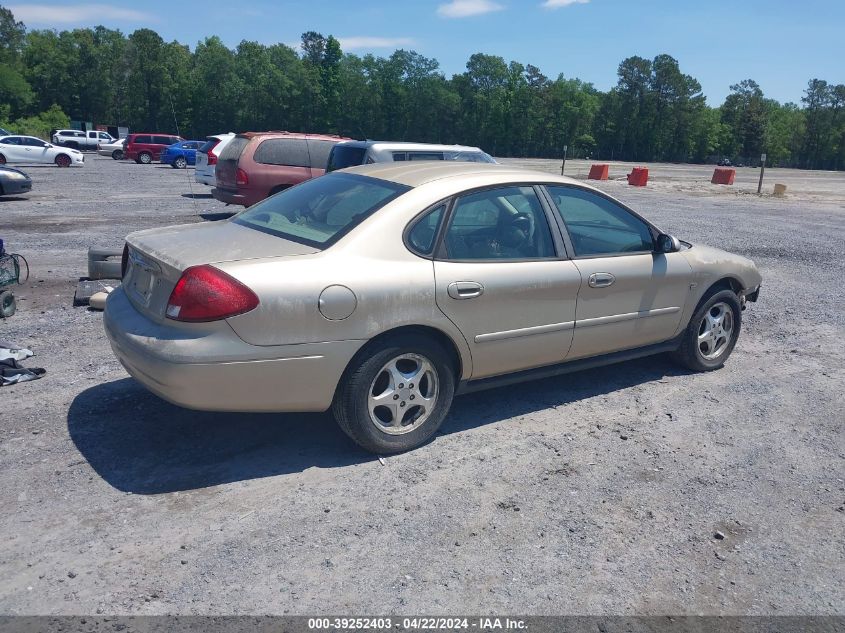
pixel 654 113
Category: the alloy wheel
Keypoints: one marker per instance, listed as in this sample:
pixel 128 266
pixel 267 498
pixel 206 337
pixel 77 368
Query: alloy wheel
pixel 403 394
pixel 715 331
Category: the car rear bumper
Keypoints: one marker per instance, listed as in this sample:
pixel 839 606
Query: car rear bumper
pixel 230 197
pixel 210 368
pixel 206 179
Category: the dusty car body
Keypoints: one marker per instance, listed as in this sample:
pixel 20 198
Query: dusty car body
pixel 431 279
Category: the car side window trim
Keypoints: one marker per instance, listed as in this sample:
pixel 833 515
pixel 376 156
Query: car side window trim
pixel 446 203
pixel 440 253
pixel 568 238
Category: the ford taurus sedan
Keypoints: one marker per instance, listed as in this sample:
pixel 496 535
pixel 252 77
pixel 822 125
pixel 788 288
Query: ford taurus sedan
pixel 382 291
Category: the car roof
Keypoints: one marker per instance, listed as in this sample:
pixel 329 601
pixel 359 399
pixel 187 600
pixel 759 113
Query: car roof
pixel 285 133
pixel 406 145
pixel 417 173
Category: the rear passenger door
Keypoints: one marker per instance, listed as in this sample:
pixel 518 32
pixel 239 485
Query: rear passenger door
pixel 504 280
pixel 12 150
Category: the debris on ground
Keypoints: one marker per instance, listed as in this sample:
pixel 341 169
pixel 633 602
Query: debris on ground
pixel 11 371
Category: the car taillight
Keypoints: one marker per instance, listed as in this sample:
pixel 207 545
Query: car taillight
pixel 241 178
pixel 124 261
pixel 205 293
pixel 212 159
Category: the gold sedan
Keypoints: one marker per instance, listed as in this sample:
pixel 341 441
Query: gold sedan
pixel 382 291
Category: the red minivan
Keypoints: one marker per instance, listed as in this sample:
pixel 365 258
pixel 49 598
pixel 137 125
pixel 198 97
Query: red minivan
pixel 255 165
pixel 145 147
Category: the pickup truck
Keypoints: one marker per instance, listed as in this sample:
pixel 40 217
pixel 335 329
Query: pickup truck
pixel 77 139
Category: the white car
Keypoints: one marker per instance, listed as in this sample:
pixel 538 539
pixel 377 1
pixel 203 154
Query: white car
pixel 114 149
pixel 28 149
pixel 207 156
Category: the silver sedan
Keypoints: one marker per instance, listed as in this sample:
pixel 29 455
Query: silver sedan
pixel 382 291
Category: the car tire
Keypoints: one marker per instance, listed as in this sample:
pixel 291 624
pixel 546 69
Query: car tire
pixel 2 159
pixel 117 154
pixel 63 160
pixel 7 304
pixel 711 334
pixel 145 158
pixel 401 423
pixel 179 163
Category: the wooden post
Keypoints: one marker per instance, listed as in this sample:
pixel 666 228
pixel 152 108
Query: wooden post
pixel 762 171
pixel 563 164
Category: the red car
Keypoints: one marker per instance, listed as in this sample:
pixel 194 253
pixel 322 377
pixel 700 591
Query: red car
pixel 145 147
pixel 255 165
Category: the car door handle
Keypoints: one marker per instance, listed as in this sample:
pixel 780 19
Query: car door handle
pixel 601 280
pixel 465 289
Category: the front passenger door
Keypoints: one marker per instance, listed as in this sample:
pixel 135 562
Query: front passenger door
pixel 37 150
pixel 632 296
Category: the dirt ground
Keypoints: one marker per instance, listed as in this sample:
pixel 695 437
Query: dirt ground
pixel 633 489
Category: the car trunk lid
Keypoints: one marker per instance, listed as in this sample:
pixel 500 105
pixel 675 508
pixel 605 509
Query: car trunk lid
pixel 157 257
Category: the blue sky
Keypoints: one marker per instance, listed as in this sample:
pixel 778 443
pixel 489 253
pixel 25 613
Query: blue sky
pixel 781 44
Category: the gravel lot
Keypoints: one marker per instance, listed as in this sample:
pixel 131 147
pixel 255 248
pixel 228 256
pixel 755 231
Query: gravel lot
pixel 594 493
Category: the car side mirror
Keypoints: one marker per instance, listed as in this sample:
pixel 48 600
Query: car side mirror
pixel 668 244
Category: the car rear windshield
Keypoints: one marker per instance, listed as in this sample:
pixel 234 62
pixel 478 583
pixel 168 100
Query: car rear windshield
pixel 319 212
pixel 345 156
pixel 232 151
pixel 209 145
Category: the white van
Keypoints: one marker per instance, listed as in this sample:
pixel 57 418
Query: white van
pixel 350 153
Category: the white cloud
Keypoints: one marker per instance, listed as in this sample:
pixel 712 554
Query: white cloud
pixel 363 41
pixel 466 8
pixel 53 14
pixel 557 4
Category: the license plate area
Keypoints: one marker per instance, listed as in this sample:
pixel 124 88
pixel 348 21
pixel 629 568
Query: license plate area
pixel 142 278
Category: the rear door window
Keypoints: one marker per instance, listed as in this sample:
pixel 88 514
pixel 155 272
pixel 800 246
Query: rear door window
pixel 12 140
pixel 495 224
pixel 283 151
pixel 142 139
pixel 164 140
